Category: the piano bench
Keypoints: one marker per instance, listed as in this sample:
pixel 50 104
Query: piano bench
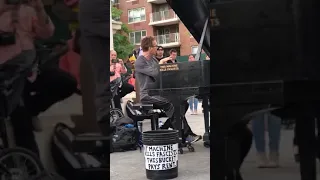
pixel 141 106
pixel 140 112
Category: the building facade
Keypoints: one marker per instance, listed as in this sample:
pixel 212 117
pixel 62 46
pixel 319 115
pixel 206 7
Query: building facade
pixel 156 18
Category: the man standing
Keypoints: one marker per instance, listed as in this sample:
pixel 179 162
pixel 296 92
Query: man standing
pixel 160 52
pixel 95 46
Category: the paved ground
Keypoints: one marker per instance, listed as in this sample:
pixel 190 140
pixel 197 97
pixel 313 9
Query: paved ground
pixel 192 166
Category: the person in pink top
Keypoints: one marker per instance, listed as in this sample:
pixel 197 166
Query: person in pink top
pixel 26 22
pixel 117 68
pixel 20 25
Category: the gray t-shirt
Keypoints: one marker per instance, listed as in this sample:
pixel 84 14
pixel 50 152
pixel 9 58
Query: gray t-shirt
pixel 146 73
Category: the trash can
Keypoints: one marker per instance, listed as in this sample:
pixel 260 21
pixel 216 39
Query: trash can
pixel 161 149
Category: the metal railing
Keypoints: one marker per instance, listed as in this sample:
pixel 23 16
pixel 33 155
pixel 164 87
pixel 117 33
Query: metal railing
pixel 162 15
pixel 168 38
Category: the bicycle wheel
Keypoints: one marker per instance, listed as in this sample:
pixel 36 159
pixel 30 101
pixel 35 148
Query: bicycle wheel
pixel 20 164
pixel 115 114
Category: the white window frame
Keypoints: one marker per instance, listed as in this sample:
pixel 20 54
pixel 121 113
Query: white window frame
pixel 145 16
pixel 196 49
pixel 134 34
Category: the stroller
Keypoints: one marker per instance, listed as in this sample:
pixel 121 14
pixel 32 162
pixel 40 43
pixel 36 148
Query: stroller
pixel 115 113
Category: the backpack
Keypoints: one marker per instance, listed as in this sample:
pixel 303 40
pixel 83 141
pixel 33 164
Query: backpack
pixel 73 163
pixel 124 136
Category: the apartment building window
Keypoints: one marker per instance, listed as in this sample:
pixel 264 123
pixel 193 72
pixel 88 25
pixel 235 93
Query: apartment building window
pixel 136 15
pixel 194 49
pixel 135 37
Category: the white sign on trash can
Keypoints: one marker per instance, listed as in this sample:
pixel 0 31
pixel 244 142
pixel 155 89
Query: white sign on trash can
pixel 161 157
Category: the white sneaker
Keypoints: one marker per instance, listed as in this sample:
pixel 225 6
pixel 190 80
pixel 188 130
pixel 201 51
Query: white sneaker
pixel 195 112
pixel 273 160
pixel 262 160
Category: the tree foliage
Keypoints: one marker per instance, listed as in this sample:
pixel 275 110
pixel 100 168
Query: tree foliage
pixel 121 41
pixel 116 13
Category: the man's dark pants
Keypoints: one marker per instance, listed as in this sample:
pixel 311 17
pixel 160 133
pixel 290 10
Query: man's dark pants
pixel 164 104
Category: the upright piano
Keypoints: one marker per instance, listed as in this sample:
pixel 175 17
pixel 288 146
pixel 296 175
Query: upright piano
pixel 263 58
pixel 179 81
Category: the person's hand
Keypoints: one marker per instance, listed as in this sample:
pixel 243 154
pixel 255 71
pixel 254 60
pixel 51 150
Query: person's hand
pixel 112 69
pixel 37 4
pixel 34 74
pixel 165 60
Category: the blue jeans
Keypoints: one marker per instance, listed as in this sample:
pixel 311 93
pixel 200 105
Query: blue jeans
pixel 193 103
pixel 258 130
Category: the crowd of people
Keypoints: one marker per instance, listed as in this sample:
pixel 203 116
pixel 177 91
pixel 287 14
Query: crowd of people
pixel 20 26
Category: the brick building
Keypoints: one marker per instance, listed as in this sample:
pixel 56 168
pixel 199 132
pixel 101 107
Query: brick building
pixel 156 18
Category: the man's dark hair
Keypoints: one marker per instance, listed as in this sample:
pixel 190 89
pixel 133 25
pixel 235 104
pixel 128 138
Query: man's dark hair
pixel 173 51
pixel 76 41
pixel 191 55
pixel 160 47
pixel 146 43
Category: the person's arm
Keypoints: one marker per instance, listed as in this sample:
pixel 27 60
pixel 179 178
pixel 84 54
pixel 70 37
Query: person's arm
pixel 123 69
pixel 141 66
pixel 165 60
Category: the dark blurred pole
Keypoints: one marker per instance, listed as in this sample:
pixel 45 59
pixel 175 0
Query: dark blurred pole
pixel 306 140
pixel 95 49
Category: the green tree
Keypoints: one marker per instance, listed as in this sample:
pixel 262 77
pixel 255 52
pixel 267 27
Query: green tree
pixel 121 41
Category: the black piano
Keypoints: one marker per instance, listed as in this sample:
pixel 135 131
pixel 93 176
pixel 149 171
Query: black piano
pixel 179 81
pixel 263 58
